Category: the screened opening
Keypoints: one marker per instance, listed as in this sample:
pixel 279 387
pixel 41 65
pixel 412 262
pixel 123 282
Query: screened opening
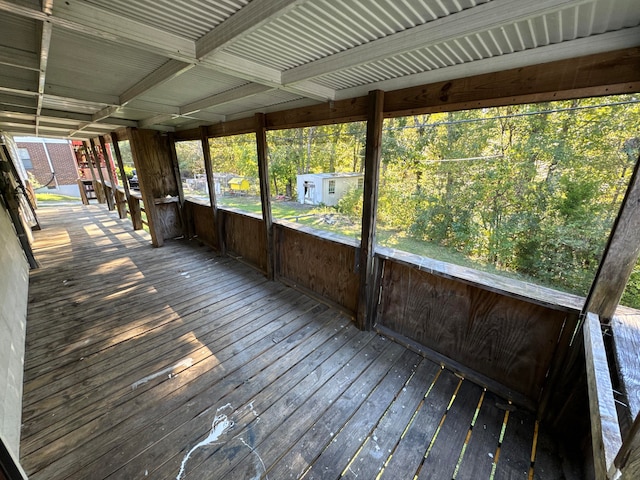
pixel 127 160
pixel 528 191
pixel 317 175
pixel 234 161
pixel 192 172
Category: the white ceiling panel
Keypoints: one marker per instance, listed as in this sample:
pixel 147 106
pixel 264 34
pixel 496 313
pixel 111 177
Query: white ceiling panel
pixel 195 84
pixel 175 63
pixel 91 64
pixel 187 18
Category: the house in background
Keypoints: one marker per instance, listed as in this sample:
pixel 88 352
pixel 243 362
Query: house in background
pixel 52 163
pixel 326 188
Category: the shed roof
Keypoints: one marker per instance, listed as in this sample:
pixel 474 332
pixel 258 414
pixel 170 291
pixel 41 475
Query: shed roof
pixel 333 175
pixel 84 68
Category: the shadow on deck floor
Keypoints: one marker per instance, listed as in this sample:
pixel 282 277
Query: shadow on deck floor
pixel 175 363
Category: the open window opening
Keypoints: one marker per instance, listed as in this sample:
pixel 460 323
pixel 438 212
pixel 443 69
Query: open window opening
pixel 317 175
pixel 525 191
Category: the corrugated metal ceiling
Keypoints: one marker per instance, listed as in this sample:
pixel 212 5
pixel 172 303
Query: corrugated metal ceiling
pixel 187 18
pixel 97 64
pixel 197 83
pixel 321 28
pixel 171 63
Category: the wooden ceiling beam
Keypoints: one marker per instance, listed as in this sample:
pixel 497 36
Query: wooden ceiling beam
pixel 606 42
pixel 601 74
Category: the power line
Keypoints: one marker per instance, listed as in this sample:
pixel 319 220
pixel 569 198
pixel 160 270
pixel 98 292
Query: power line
pixel 514 115
pixel 466 159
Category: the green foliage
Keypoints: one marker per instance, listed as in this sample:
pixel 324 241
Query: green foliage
pixel 128 170
pixel 35 184
pixel 190 159
pixel 524 193
pixel 351 204
pixel 125 153
pixel 530 191
pixel 55 197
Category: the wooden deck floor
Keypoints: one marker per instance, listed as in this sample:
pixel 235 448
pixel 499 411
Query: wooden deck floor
pixel 173 363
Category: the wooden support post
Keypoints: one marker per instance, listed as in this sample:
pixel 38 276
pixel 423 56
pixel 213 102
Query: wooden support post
pixel 107 162
pixel 97 188
pixel 139 152
pixel 176 173
pixel 106 191
pixel 605 431
pixel 265 191
pixel 217 221
pixel 134 207
pixel 366 296
pixel 628 459
pixel 620 255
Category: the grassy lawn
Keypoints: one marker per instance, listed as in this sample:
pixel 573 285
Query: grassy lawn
pixel 55 197
pixel 327 218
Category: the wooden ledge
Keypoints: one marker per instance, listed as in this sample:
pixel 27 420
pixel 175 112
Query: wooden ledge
pixel 321 234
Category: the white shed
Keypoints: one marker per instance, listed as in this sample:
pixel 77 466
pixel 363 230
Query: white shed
pixel 326 188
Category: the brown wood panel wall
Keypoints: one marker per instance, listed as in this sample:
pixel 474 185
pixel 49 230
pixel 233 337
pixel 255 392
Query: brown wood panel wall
pixel 322 266
pixel 506 339
pixel 245 237
pixel 201 220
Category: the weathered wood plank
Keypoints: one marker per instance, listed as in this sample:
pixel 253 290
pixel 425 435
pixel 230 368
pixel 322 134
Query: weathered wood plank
pixel 519 436
pixel 323 267
pixel 605 431
pixel 382 441
pixel 293 370
pixel 334 420
pixel 204 227
pixel 195 419
pixel 445 449
pixel 408 455
pixel 354 435
pixel 628 458
pixel 246 238
pixel 149 345
pixel 106 433
pixel 366 294
pixel 265 192
pixel 626 344
pixel 479 454
pixel 221 326
pixel 510 341
pixel 285 421
pixel 586 76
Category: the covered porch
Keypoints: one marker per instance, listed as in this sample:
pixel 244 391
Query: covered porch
pixel 180 363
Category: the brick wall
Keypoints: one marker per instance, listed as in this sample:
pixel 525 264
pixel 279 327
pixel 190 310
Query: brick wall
pixel 62 159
